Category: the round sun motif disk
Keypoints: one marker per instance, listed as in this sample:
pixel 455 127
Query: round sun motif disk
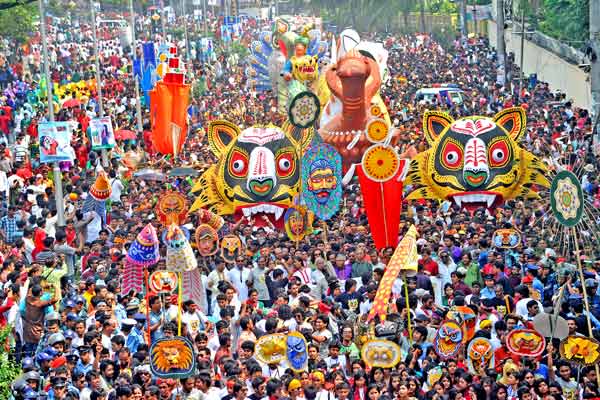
pixel 380 163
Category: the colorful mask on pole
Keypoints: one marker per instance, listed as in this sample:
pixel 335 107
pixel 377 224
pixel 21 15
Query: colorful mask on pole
pixel 507 238
pixel 322 180
pixel 466 317
pixel 172 358
pixel 271 349
pixel 180 256
pixel 171 208
pixel 207 240
pixel 298 222
pixel 580 350
pixel 258 172
pixel 162 282
pixel 480 355
pixel 448 339
pixel 476 161
pixel 381 353
pixel 231 247
pixel 99 192
pixel 525 342
pixel 144 251
pixel 297 351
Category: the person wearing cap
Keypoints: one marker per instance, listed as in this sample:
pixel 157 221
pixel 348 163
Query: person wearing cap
pixel 132 337
pixel 58 388
pixel 85 364
pixel 57 342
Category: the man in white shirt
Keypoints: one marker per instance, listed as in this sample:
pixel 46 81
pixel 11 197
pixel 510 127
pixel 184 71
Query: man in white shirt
pixel 240 277
pixel 116 186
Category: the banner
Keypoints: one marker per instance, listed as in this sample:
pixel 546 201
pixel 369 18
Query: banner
pixel 405 258
pixel 102 135
pixel 55 142
pixel 168 105
pixel 479 12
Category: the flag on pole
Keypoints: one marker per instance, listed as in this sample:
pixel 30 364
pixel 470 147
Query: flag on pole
pixel 405 258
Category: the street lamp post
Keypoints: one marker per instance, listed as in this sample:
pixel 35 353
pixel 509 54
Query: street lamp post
pixel 98 75
pixel 58 195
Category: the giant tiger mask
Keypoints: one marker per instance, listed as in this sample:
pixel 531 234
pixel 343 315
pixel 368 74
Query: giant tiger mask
pixel 258 172
pixel 475 161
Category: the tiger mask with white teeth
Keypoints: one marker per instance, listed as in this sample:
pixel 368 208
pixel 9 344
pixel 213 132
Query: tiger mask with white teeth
pixel 475 161
pixel 257 173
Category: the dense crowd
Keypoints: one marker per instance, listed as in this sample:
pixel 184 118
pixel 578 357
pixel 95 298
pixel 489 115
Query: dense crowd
pixel 75 335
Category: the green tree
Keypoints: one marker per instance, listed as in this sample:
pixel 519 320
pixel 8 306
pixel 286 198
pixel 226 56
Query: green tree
pixel 18 22
pixel 566 20
pixel 9 370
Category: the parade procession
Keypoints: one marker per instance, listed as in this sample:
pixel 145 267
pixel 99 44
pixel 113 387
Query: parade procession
pixel 299 200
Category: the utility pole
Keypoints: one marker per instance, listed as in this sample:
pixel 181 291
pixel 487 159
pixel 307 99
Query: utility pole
pixel 98 75
pixel 185 31
pixel 463 19
pixel 521 73
pixel 58 192
pixel 138 105
pixel 595 65
pixel 276 8
pixel 500 44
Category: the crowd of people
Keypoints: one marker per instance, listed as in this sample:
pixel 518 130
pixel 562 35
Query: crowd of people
pixel 75 335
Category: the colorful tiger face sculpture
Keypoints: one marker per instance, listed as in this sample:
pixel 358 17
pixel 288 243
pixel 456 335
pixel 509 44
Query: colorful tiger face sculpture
pixel 257 174
pixel 475 161
pixel 448 339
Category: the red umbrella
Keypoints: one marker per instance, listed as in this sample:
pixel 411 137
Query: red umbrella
pixel 124 134
pixel 71 103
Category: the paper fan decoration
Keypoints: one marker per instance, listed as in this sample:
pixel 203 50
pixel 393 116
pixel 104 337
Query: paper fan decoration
pixel 569 215
pixel 144 249
pixel 566 198
pixel 380 163
pixel 101 189
pixel 180 256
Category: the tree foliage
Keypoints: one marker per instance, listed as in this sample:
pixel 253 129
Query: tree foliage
pixel 9 370
pixel 566 20
pixel 18 22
